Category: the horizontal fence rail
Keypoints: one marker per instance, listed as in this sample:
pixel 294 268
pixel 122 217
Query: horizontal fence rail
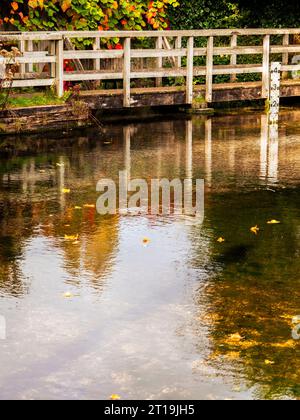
pixel 152 55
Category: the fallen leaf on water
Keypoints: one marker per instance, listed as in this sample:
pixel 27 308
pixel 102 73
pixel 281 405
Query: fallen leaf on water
pixel 255 230
pixel 221 240
pixel 71 237
pixel 269 362
pixel 236 340
pixel 77 208
pixel 273 222
pixel 146 241
pixel 60 165
pixel 65 190
pixel 89 206
pixel 115 397
pixel 68 295
pixel 286 345
pixel 235 337
pixel 76 243
pixel 287 316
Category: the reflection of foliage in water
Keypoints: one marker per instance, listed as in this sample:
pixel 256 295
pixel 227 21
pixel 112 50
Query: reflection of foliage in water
pixel 254 291
pixel 31 206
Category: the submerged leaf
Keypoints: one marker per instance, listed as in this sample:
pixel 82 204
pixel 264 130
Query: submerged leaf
pixel 255 230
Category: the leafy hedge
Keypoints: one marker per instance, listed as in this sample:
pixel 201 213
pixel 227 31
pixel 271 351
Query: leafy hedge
pixel 204 14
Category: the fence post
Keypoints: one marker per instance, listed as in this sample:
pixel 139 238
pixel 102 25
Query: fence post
pixel 126 72
pixel 285 56
pixel 266 67
pixel 30 49
pixel 159 62
pixel 178 46
pixel 53 54
pixel 209 69
pixel 59 72
pixel 22 48
pixel 190 71
pixel 96 47
pixel 233 58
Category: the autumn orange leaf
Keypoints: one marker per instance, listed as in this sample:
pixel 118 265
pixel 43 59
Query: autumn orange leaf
pixel 146 241
pixel 14 5
pixel 66 5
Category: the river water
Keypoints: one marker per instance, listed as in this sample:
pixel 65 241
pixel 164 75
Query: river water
pixel 91 310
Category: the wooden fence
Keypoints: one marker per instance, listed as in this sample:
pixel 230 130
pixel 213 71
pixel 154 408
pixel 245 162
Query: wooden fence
pixel 171 54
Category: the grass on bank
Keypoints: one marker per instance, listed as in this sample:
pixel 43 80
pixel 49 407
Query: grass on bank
pixel 32 98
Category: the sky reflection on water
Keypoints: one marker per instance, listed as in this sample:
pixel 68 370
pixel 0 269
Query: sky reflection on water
pixel 153 321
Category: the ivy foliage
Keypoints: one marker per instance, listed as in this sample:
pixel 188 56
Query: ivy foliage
pixel 31 15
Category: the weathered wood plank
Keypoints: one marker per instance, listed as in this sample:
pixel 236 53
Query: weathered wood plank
pixel 92 75
pixel 33 83
pixel 93 54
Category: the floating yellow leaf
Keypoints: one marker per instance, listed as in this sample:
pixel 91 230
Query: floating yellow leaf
pixel 68 295
pixel 146 241
pixel 65 190
pixel 269 362
pixel 273 222
pixel 71 237
pixel 221 240
pixel 235 337
pixel 115 397
pixel 286 345
pixel 77 208
pixel 255 230
pixel 89 206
